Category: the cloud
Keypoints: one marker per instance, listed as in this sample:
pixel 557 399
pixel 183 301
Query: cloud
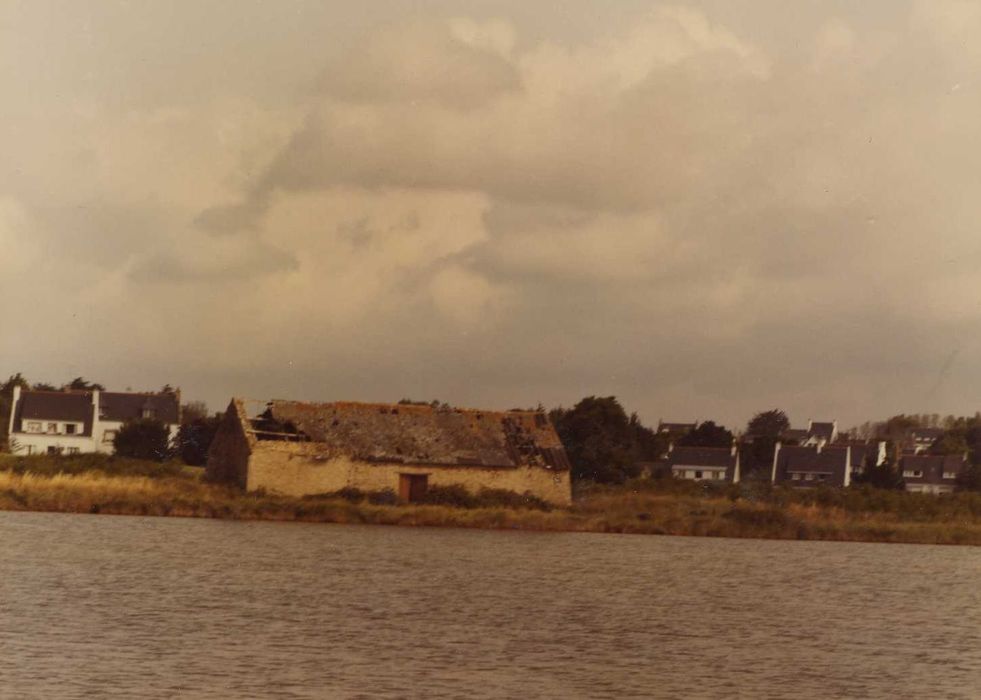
pixel 705 213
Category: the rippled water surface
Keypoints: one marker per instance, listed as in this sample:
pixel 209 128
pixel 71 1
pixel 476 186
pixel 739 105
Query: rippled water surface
pixel 96 606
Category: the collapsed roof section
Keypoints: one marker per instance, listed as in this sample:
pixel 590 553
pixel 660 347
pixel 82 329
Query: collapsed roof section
pixel 417 434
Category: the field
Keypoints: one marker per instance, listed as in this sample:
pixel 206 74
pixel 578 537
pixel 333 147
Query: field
pixel 106 485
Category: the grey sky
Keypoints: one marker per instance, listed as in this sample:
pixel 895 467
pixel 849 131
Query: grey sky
pixel 704 208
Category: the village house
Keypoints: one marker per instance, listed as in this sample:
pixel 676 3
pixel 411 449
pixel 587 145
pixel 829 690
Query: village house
pixel 931 473
pixel 811 465
pixel 720 464
pixel 920 440
pixel 817 434
pixel 73 422
pixel 863 453
pixel 299 449
pixel 675 430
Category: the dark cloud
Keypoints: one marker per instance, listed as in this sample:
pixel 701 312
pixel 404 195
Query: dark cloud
pixel 705 208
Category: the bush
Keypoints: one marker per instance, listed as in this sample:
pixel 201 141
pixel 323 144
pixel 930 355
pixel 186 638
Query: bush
pixel 49 465
pixel 385 497
pixel 143 438
pixel 453 495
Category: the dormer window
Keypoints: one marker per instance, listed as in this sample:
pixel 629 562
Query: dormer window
pixel 149 413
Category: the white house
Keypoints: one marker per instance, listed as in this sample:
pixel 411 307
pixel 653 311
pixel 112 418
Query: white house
pixel 72 422
pixel 705 463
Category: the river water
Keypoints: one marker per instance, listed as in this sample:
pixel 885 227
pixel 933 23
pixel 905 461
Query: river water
pixel 104 606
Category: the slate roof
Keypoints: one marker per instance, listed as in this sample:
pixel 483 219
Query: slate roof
pixel 423 434
pixel 70 406
pixel 663 427
pixel 932 467
pixel 122 407
pixel 804 460
pixel 702 457
pixel 926 434
pixel 822 430
pixel 797 434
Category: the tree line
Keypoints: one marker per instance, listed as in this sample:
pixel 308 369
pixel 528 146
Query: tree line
pixel 604 443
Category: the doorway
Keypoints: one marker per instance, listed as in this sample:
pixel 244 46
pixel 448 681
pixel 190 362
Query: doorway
pixel 413 487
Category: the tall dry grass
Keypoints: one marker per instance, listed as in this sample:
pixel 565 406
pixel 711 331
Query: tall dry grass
pixel 639 507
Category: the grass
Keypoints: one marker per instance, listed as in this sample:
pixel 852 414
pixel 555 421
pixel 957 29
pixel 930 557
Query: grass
pixel 100 484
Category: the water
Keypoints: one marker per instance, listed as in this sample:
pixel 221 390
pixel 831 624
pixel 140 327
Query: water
pixel 102 606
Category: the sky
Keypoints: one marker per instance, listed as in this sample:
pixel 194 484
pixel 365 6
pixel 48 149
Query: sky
pixel 707 209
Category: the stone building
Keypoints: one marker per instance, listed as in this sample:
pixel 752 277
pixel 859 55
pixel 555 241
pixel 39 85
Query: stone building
pixel 300 449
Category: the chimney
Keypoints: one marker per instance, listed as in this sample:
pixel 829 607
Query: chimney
pixel 13 409
pixel 848 466
pixel 776 453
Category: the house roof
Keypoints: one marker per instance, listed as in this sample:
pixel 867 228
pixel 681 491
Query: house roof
pixel 810 459
pixel 797 434
pixel 422 434
pixel 924 434
pixel 702 457
pixel 122 407
pixel 931 466
pixel 663 427
pixel 822 430
pixel 70 406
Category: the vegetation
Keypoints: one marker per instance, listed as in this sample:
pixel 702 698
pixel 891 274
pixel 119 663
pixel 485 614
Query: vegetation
pixel 707 434
pixel 143 438
pixel 603 443
pixel 103 484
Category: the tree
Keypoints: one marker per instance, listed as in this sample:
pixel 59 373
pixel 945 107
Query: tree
pixel 7 401
pixel 764 430
pixel 599 439
pixel 80 384
pixel 143 438
pixel 44 386
pixel 970 478
pixel 707 434
pixel 769 424
pixel 194 438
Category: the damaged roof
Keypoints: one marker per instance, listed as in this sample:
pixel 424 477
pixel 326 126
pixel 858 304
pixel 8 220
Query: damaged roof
pixel 423 434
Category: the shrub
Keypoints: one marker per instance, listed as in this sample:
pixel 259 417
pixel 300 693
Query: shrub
pixel 143 438
pixel 385 497
pixel 453 495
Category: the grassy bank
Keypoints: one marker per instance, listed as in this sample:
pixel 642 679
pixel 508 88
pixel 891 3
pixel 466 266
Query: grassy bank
pixel 92 484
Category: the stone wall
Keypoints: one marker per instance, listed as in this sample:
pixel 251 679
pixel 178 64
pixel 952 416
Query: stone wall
pixel 299 469
pixel 228 456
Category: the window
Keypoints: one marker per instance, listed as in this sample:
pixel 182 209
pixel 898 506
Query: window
pixel 70 428
pixel 822 477
pixel 54 450
pixel 795 477
pixel 907 473
pixel 29 449
pixel 950 475
pixel 73 450
pixel 808 477
pixel 720 475
pixel 109 436
pixel 149 413
pixel 33 427
pixel 698 475
pixel 52 427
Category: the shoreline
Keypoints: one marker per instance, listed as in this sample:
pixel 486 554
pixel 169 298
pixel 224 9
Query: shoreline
pixel 611 510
